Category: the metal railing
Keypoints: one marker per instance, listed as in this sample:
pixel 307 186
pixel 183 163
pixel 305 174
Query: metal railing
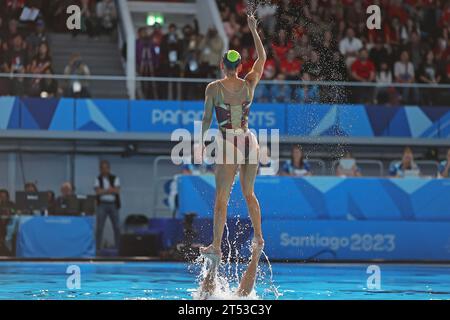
pixel 175 88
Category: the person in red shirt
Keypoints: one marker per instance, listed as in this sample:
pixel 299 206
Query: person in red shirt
pixel 247 62
pixel 291 66
pixel 363 70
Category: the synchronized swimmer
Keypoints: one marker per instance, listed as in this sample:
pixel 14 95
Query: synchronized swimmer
pixel 231 98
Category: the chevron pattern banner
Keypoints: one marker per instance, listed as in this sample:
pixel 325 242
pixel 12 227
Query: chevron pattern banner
pixel 331 218
pixel 95 115
pixel 326 198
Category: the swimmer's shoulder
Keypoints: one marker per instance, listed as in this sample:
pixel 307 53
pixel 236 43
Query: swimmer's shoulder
pixel 211 88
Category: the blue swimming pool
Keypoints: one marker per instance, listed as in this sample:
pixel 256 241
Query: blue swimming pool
pixel 157 280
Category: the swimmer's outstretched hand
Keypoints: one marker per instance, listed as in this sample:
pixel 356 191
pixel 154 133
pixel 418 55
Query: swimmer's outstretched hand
pixel 252 22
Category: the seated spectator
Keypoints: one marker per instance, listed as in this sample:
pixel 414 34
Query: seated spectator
pixel 281 46
pixel 350 46
pixel 404 73
pixel 291 66
pixel 107 15
pixel 267 165
pixel 37 37
pixel 66 192
pixel 77 87
pixel 429 74
pixel 347 166
pixel 444 167
pixel 307 93
pixel 313 66
pixel 405 167
pixel 6 205
pixel 280 92
pixel 363 70
pixel 30 187
pixel 297 166
pixel 247 62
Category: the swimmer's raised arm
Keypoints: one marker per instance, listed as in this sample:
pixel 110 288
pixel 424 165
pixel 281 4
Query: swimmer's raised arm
pixel 255 75
pixel 208 111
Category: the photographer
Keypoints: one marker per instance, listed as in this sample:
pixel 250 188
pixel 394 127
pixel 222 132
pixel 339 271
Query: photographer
pixel 75 87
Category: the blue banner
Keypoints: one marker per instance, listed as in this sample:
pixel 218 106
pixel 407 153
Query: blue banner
pixel 56 237
pixel 331 218
pixel 165 116
pixel 357 240
pixel 333 198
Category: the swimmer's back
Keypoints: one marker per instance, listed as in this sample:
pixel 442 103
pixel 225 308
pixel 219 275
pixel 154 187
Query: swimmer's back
pixel 232 102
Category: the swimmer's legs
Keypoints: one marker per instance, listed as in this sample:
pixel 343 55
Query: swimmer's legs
pixel 249 277
pixel 225 174
pixel 248 174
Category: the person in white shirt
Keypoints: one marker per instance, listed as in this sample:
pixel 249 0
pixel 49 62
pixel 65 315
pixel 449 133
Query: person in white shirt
pixel 383 91
pixel 107 189
pixel 404 73
pixel 350 46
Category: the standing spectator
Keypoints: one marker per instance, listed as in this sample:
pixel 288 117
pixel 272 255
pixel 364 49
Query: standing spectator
pixel 48 86
pixel 107 189
pixel 384 92
pixel 148 62
pixel 211 52
pixel 379 54
pixel 107 15
pixel 444 167
pixel 171 55
pixel 404 73
pixel 407 164
pixel 89 22
pixel 363 70
pixel 349 47
pixel 17 61
pixel 40 64
pixel 429 74
pixel 297 166
pixel 77 87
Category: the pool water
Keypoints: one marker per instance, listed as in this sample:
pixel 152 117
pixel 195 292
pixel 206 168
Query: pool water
pixel 157 280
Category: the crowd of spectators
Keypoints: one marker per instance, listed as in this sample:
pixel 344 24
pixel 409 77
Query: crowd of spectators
pixel 107 191
pixel 328 40
pixel 25 44
pixel 177 53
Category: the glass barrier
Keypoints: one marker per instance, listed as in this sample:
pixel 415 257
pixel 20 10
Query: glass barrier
pixel 188 89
